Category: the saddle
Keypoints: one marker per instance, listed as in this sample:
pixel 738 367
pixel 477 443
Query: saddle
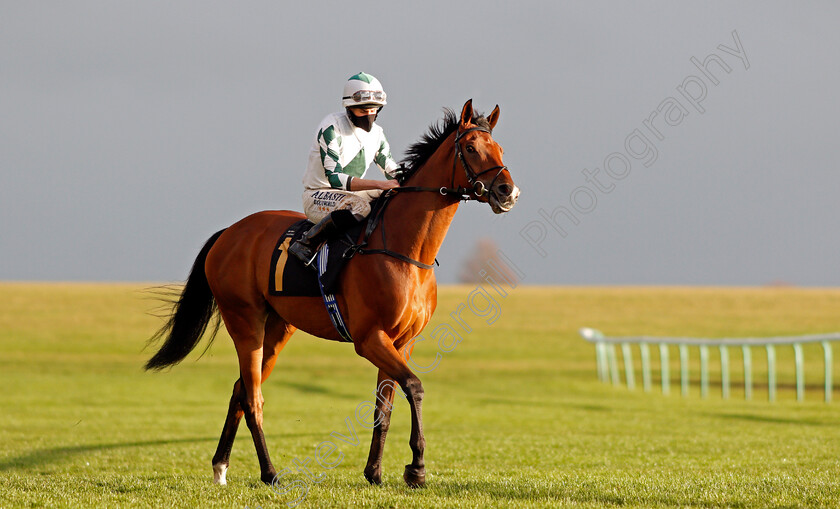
pixel 289 277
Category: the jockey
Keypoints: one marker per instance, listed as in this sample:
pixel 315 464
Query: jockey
pixel 336 195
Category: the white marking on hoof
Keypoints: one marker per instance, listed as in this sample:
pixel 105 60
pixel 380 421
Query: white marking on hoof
pixel 219 473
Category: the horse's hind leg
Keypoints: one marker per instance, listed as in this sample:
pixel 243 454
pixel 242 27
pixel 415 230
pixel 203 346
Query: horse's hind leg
pixel 277 334
pixel 221 460
pixel 257 351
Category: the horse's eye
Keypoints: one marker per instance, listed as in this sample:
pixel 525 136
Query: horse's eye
pixel 470 149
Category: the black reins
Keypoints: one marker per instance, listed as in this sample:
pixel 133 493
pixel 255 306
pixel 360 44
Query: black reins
pixel 462 193
pixel 374 220
pixel 477 188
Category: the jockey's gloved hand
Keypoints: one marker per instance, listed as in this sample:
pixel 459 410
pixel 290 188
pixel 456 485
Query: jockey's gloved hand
pixel 401 174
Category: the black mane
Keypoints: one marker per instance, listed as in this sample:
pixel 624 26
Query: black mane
pixel 418 153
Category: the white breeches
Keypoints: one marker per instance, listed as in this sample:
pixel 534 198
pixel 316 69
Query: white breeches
pixel 318 203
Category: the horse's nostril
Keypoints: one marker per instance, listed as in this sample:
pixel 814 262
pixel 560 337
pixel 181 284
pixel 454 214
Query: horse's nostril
pixel 505 189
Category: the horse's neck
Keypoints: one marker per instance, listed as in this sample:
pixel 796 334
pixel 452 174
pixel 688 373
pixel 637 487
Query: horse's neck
pixel 418 221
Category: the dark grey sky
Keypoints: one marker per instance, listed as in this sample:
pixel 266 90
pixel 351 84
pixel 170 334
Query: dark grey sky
pixel 131 131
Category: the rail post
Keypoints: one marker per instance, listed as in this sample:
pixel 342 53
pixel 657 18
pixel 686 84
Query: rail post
pixel 828 380
pixel 704 371
pixel 628 365
pixel 771 372
pixel 724 372
pixel 664 368
pixel 800 371
pixel 644 352
pixel 745 349
pixel 684 369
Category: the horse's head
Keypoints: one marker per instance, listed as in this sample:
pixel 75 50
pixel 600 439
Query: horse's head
pixel 481 159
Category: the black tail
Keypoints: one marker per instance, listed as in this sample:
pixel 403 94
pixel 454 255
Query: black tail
pixel 191 314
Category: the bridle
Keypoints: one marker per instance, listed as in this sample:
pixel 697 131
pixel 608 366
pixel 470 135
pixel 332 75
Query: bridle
pixel 477 188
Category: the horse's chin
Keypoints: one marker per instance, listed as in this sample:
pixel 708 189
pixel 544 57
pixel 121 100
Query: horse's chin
pixel 497 206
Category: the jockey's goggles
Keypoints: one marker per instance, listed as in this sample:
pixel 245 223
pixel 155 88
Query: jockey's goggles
pixel 367 95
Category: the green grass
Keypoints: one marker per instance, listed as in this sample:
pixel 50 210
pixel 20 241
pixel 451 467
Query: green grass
pixel 514 416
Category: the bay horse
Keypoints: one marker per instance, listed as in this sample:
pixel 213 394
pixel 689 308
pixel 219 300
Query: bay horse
pixel 387 300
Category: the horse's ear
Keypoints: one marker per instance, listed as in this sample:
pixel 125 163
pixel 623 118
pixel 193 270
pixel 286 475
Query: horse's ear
pixel 494 117
pixel 467 113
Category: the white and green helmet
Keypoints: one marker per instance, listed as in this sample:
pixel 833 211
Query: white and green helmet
pixel 363 88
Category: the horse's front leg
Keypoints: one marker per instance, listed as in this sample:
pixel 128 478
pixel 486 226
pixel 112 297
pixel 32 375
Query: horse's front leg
pixel 381 423
pixel 378 349
pixel 415 473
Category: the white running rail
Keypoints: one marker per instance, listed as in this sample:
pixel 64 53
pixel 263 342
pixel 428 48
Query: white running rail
pixel 605 349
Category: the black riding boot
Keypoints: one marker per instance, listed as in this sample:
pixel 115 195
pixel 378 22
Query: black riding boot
pixel 306 247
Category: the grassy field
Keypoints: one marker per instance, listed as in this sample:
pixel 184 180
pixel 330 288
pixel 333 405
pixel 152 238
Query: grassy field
pixel 514 416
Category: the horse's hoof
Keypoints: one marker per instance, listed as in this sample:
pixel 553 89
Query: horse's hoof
pixel 374 477
pixel 268 477
pixel 219 473
pixel 415 477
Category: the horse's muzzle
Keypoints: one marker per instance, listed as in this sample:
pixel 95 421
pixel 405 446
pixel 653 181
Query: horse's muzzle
pixel 503 197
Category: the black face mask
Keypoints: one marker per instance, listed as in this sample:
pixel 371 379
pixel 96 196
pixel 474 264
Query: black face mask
pixel 365 122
